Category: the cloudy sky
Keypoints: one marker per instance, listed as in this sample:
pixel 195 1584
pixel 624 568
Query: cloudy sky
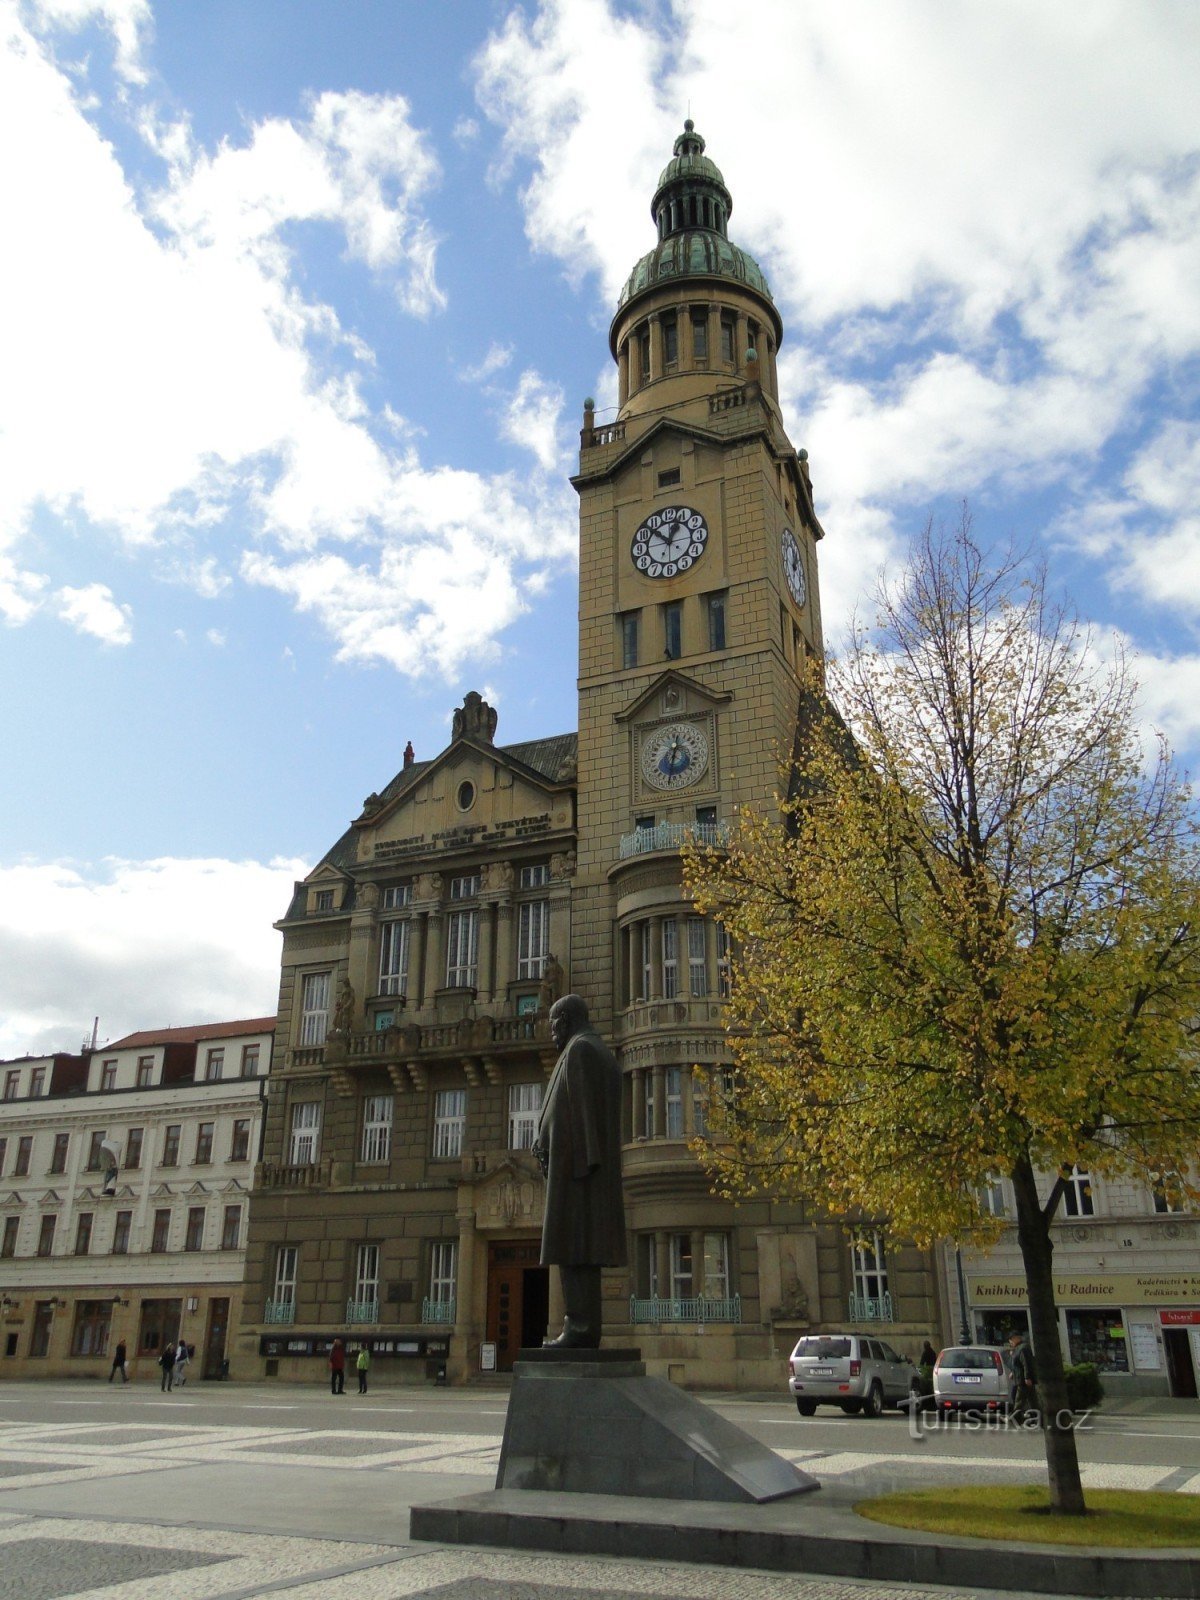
pixel 299 302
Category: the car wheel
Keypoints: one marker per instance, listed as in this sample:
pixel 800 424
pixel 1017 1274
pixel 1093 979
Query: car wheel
pixel 806 1407
pixel 873 1404
pixel 851 1407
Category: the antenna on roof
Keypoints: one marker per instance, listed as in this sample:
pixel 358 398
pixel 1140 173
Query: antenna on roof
pixel 95 1039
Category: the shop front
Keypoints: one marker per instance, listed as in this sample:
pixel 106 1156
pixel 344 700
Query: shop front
pixel 1141 1331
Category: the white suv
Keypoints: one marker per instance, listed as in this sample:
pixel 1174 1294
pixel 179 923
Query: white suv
pixel 855 1371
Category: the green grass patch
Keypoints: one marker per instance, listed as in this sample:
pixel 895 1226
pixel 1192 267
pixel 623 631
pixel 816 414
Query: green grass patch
pixel 1120 1518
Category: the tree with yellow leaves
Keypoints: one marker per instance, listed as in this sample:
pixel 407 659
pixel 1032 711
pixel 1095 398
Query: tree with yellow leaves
pixel 973 947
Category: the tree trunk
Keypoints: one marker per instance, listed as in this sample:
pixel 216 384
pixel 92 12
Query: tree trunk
pixel 1058 1430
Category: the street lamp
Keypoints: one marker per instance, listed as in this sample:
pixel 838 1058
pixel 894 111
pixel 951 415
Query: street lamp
pixel 964 1318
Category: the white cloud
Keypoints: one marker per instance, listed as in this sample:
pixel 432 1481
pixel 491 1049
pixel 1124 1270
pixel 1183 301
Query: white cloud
pixel 128 21
pixel 532 419
pixel 92 610
pixel 20 592
pixel 497 358
pixel 215 637
pixel 141 943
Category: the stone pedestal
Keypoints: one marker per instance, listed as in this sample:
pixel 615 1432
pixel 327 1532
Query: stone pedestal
pixel 592 1422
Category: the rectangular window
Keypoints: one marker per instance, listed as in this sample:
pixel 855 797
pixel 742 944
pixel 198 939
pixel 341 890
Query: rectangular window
pixel 672 615
pixel 377 1128
pixel 449 1120
pixel 161 1232
pixel 462 949
pixel 306 1124
pixel 133 1149
pixel 24 1154
pixel 397 895
pixel 629 638
pixel 535 876
pixel 728 339
pixel 1099 1337
pixel 991 1197
pixel 1167 1192
pixel 700 335
pixel 647 1264
pixel 58 1156
pixel 724 966
pixel 1077 1196
pixel 670 958
pixel 285 1275
pixel 145 1071
pixel 12 1082
pixel 3 1154
pixel 645 962
pixel 670 341
pixel 43 1321
pixel 239 1145
pixel 393 957
pixel 314 1008
pixel 366 1273
pixel 194 1238
pixel 170 1155
pixel 681 1265
pixel 716 1266
pixel 524 1109
pixel 231 1227
pixel 714 605
pixel 45 1242
pixel 121 1233
pixel 443 1271
pixel 323 900
pixel 869 1269
pixel 108 1075
pixel 95 1156
pixel 465 887
pixel 250 1055
pixel 204 1144
pixel 37 1082
pixel 649 1085
pixel 673 1081
pixel 214 1065
pixel 533 938
pixel 697 957
pixel 12 1226
pixel 83 1233
pixel 93 1318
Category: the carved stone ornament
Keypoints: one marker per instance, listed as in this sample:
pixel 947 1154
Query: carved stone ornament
pixel 498 877
pixel 428 886
pixel 368 896
pixel 343 1011
pixel 562 864
pixel 475 719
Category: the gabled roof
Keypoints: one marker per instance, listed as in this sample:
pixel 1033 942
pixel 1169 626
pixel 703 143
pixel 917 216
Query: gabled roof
pixel 716 697
pixel 193 1035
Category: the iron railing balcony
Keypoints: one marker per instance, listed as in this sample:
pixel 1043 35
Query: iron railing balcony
pixel 279 1311
pixel 438 1311
pixel 698 1309
pixel 362 1311
pixel 871 1308
pixel 672 836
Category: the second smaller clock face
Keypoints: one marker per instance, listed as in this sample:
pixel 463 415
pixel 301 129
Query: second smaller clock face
pixel 669 542
pixel 793 566
pixel 675 757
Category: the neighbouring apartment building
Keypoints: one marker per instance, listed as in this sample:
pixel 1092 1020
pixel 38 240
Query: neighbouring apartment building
pixel 125 1179
pixel 398 1203
pixel 1127 1283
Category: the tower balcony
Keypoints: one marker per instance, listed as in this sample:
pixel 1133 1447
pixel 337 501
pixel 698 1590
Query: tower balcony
pixel 671 836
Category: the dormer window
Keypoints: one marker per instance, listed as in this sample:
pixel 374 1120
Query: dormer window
pixel 323 900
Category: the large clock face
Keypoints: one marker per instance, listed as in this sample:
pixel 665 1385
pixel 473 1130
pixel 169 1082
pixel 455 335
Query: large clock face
pixel 793 566
pixel 669 542
pixel 674 757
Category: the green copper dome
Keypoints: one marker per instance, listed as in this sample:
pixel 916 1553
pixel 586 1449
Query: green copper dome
pixel 691 208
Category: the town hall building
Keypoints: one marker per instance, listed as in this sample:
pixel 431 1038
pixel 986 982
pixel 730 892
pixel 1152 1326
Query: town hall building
pixel 398 1203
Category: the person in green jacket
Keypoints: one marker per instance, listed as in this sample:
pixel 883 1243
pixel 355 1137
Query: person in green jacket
pixel 363 1366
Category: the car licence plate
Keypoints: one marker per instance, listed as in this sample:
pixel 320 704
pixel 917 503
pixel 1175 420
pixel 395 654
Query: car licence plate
pixel 821 1372
pixel 961 1377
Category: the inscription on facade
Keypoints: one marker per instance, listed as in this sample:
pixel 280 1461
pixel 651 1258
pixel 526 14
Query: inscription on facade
pixel 462 837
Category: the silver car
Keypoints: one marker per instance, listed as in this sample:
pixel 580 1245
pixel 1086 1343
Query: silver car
pixel 971 1377
pixel 855 1371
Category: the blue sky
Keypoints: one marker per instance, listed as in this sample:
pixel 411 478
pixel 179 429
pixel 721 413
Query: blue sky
pixel 298 308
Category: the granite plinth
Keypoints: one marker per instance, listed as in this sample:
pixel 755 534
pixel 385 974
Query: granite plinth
pixel 592 1422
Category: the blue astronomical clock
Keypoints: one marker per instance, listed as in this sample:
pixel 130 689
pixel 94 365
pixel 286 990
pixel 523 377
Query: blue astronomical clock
pixel 674 757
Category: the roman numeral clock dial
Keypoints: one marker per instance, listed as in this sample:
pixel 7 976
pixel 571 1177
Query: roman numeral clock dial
pixel 669 542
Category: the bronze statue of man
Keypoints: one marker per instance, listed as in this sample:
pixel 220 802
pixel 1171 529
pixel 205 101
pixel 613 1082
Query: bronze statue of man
pixel 579 1148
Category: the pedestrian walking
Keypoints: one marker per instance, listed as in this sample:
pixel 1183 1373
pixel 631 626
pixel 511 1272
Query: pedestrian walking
pixel 167 1362
pixel 182 1356
pixel 337 1368
pixel 363 1366
pixel 1022 1395
pixel 119 1364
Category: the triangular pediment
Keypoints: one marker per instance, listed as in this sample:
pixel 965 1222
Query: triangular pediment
pixel 672 694
pixel 15 1198
pixel 324 873
pixel 50 1198
pixel 196 1188
pixel 161 1191
pixel 231 1186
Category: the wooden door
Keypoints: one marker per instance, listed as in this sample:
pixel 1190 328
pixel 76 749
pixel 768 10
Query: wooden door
pixel 214 1339
pixel 516 1297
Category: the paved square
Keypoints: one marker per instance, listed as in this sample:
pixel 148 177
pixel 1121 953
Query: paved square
pixel 43 1569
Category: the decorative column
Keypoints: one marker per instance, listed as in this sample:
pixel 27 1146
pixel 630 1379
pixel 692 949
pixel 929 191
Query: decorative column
pixel 697 1264
pixel 656 978
pixel 660 1103
pixel 505 969
pixel 656 353
pixel 483 971
pixel 638 1131
pixel 633 935
pixel 714 334
pixel 623 373
pixel 662 1256
pixel 686 1082
pixel 415 984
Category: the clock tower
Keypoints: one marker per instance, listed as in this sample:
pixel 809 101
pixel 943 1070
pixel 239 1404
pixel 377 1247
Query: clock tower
pixel 699 605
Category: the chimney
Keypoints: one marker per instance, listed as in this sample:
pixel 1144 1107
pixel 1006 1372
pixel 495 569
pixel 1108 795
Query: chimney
pixel 409 754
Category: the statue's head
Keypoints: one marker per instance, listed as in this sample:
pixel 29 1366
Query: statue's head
pixel 568 1017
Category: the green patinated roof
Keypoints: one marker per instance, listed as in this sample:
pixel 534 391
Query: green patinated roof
pixel 694 254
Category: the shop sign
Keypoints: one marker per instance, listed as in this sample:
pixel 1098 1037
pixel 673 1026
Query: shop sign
pixel 1179 1319
pixel 1093 1289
